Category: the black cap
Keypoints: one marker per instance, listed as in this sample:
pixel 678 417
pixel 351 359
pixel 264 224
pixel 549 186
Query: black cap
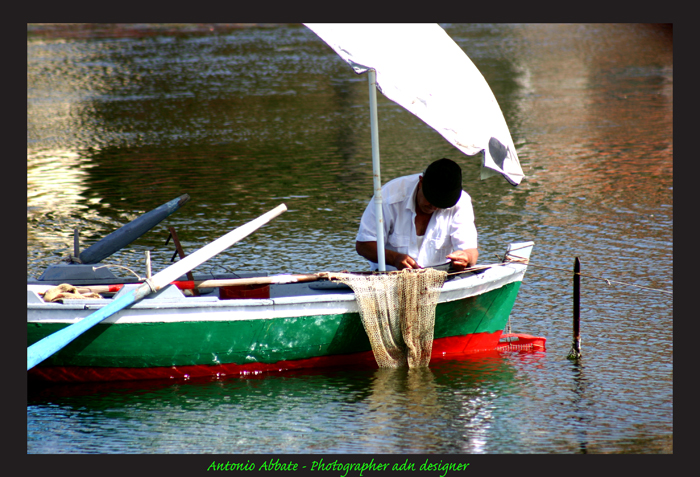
pixel 442 183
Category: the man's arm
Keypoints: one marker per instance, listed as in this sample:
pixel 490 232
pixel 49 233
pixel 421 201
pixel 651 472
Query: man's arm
pixel 368 250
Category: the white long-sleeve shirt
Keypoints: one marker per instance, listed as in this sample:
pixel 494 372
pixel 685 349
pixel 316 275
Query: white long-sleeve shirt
pixel 448 230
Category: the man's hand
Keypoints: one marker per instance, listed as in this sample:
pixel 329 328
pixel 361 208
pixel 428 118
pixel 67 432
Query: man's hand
pixel 401 261
pixel 462 259
pixel 398 260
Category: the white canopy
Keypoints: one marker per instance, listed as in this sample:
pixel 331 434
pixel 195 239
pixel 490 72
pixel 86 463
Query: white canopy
pixel 422 69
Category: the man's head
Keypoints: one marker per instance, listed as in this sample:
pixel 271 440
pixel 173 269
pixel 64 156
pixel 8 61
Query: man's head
pixel 442 183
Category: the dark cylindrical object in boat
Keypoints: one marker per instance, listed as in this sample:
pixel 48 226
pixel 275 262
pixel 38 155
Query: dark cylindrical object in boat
pixel 123 236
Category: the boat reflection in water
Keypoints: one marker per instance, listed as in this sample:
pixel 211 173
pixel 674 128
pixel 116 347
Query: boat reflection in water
pixel 446 408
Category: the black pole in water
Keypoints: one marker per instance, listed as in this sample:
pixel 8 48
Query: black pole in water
pixel 76 242
pixel 575 352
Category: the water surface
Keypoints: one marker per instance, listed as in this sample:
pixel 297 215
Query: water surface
pixel 123 119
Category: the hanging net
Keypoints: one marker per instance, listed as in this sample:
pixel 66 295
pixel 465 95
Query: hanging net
pixel 398 313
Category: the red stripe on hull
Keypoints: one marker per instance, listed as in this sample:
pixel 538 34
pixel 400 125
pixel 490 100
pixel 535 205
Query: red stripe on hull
pixel 443 348
pixel 77 374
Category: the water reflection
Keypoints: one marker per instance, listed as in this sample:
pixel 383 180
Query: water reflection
pixel 165 123
pixel 448 408
pixel 579 405
pixel 402 409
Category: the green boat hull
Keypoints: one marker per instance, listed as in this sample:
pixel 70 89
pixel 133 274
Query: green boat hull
pixel 158 349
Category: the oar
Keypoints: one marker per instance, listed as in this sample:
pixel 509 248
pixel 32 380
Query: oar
pixel 274 280
pixel 53 343
pixel 215 283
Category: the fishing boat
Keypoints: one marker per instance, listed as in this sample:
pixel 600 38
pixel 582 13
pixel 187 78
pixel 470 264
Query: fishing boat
pixel 255 323
pixel 237 324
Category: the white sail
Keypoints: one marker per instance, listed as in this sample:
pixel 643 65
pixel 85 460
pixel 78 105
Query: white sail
pixel 422 69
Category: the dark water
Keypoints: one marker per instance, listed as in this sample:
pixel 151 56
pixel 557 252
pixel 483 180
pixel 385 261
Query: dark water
pixel 121 119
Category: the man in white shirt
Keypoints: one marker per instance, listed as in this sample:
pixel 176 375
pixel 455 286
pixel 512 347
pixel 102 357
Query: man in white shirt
pixel 428 220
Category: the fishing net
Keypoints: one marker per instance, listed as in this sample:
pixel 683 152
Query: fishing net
pixel 398 313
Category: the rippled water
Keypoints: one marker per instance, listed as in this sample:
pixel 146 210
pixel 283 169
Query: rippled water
pixel 123 119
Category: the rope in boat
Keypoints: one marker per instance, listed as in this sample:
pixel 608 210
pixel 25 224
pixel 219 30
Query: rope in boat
pixel 120 266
